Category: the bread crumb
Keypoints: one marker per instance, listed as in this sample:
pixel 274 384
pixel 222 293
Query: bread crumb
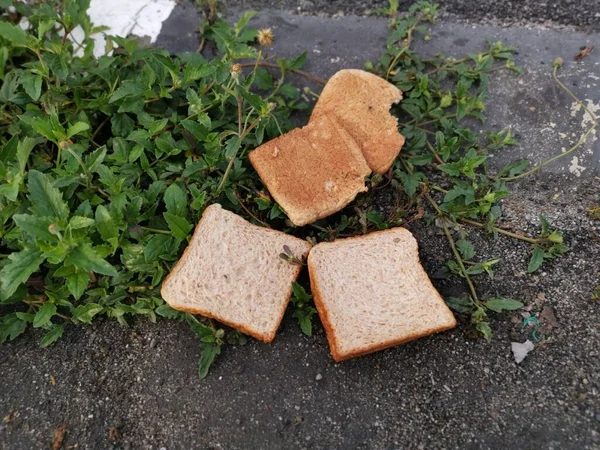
pixel 329 186
pixel 275 152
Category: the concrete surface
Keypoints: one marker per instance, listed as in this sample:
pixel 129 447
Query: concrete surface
pixel 584 15
pixel 137 388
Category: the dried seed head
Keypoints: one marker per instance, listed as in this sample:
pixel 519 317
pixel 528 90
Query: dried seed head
pixel 265 37
pixel 558 62
pixel 236 68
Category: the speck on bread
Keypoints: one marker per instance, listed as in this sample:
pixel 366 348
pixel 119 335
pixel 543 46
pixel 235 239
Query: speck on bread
pixel 313 171
pixel 231 271
pixel 361 102
pixel 371 293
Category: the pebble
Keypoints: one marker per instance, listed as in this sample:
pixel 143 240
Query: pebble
pixel 319 377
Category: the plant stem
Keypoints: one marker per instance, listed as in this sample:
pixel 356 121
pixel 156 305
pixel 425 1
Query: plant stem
pixel 306 75
pixel 248 211
pixel 581 141
pixel 230 165
pixel 156 230
pixel 502 231
pixel 404 48
pixel 458 257
pixel 432 150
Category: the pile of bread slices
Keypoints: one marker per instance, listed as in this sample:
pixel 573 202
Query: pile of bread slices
pixel 370 291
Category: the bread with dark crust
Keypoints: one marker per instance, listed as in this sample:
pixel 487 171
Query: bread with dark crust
pixel 312 172
pixel 361 102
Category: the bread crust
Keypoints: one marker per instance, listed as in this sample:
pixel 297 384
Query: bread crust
pixel 297 167
pixel 361 101
pixel 264 337
pixel 334 347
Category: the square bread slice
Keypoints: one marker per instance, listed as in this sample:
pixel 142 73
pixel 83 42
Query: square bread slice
pixel 231 271
pixel 361 102
pixel 371 293
pixel 312 172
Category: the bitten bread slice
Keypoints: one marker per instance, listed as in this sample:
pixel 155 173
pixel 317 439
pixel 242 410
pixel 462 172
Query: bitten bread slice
pixel 361 103
pixel 372 293
pixel 231 271
pixel 312 172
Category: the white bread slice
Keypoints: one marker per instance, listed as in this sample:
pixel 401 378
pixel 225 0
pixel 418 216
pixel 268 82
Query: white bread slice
pixel 231 271
pixel 312 172
pixel 361 103
pixel 371 293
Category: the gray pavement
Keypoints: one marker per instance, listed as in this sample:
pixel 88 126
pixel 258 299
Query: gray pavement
pixel 137 387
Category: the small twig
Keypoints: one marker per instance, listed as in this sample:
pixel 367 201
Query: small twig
pixel 306 75
pixel 248 211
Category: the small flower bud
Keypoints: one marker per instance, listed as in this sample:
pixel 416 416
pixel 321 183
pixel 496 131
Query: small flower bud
pixel 236 68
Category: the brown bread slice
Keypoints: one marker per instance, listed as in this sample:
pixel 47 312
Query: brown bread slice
pixel 312 172
pixel 361 103
pixel 231 271
pixel 372 293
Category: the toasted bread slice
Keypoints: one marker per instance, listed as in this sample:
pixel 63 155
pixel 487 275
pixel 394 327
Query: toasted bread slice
pixel 372 293
pixel 312 172
pixel 231 271
pixel 361 103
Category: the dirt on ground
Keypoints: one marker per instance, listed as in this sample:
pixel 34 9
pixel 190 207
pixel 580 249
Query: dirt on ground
pixel 137 388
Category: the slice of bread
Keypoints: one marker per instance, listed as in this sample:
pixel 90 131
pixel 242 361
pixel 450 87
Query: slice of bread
pixel 361 103
pixel 371 293
pixel 312 172
pixel 231 271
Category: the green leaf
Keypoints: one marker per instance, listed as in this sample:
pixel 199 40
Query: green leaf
pixel 105 224
pixel 446 100
pixel 86 258
pixel 537 258
pixel 32 84
pixel 46 199
pixel 299 61
pixel 19 268
pixel 195 70
pixel 503 304
pixel 85 313
pixel 466 249
pixel 232 146
pixel 411 181
pixel 11 326
pixel 77 128
pixel 78 222
pixel 35 226
pixel 44 314
pixel 485 329
pixel 461 305
pixel 305 323
pixel 77 283
pixel 179 226
pixel 53 335
pixel 24 149
pixel 158 245
pixel 209 352
pixel 175 200
pixel 40 125
pixel 168 312
pixel 12 33
pixel 300 293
